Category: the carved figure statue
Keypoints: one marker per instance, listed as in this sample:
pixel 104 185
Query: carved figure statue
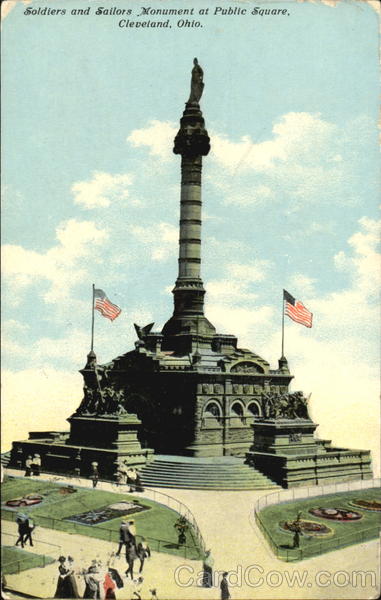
pixel 286 406
pixel 197 83
pixel 143 331
pixel 301 407
pixel 87 404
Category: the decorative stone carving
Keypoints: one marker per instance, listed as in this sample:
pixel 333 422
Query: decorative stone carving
pixel 218 388
pixel 246 367
pixel 286 406
pixel 205 388
pixel 246 389
pixel 236 388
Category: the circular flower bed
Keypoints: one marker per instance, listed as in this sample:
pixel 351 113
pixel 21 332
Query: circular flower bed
pixel 307 527
pixel 336 514
pixel 374 505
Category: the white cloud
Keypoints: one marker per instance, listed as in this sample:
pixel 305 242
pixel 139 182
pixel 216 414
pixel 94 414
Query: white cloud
pixel 61 266
pixel 158 137
pixel 302 286
pixel 256 270
pixel 295 136
pixel 101 190
pixel 160 240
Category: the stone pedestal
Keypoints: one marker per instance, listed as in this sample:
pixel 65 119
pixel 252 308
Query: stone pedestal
pixel 106 431
pixel 105 439
pixel 286 451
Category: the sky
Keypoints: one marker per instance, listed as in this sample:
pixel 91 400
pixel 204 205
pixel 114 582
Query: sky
pixel 91 194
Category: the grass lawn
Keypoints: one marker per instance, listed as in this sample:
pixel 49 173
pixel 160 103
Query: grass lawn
pixel 155 524
pixel 344 533
pixel 14 560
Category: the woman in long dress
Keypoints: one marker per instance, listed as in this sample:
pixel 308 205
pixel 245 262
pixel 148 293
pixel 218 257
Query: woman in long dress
pixel 92 581
pixel 109 586
pixel 72 582
pixel 64 588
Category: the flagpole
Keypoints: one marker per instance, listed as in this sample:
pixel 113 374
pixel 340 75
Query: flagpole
pixel 282 324
pixel 92 322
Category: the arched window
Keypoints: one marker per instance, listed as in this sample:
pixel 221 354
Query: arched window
pixel 236 414
pixel 236 410
pixel 254 409
pixel 214 409
pixel 212 414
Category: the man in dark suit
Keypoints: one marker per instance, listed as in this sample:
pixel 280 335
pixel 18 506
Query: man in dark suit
pixel 124 537
pixel 143 552
pixel 25 528
pixel 225 594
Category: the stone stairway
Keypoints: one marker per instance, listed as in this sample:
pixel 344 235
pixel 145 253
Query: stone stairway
pixel 5 458
pixel 217 473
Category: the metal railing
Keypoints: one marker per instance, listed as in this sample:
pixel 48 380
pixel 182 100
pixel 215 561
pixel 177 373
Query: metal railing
pixel 52 549
pixel 149 493
pixel 326 545
pixel 30 560
pixel 180 508
pixel 111 535
pixel 300 493
pixel 195 551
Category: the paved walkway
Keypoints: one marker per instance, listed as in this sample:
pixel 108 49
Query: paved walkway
pixel 227 524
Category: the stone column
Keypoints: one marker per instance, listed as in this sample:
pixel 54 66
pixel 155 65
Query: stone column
pixel 192 143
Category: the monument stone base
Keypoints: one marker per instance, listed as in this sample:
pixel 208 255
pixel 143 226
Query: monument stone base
pixel 286 451
pixel 105 439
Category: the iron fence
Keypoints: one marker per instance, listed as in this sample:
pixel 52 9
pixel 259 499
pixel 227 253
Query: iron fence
pixel 314 548
pixel 111 535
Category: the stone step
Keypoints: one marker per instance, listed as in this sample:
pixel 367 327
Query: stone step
pixel 202 472
pixel 204 486
pixel 216 476
pixel 223 473
pixel 5 458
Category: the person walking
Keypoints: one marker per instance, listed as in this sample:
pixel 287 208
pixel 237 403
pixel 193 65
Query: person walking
pixel 23 530
pixel 138 482
pixel 92 581
pixel 124 537
pixel 36 465
pixel 94 474
pixel 29 527
pixel 143 551
pixel 65 587
pixel 207 565
pixel 132 531
pixel 131 479
pixel 22 527
pixel 72 582
pixel 131 556
pixel 224 587
pixel 28 466
pixel 109 586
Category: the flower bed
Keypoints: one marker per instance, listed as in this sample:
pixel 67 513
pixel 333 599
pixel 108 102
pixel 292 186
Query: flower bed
pixel 336 514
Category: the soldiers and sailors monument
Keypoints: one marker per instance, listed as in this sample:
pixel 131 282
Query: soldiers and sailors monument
pixel 187 406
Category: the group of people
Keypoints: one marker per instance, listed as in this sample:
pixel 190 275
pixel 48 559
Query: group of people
pixel 129 476
pixel 25 527
pixel 33 465
pixel 133 550
pixel 101 582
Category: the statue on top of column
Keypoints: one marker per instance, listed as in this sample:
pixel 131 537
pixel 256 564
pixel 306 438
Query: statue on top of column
pixel 197 83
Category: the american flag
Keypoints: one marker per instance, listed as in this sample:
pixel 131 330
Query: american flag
pixel 296 310
pixel 105 307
